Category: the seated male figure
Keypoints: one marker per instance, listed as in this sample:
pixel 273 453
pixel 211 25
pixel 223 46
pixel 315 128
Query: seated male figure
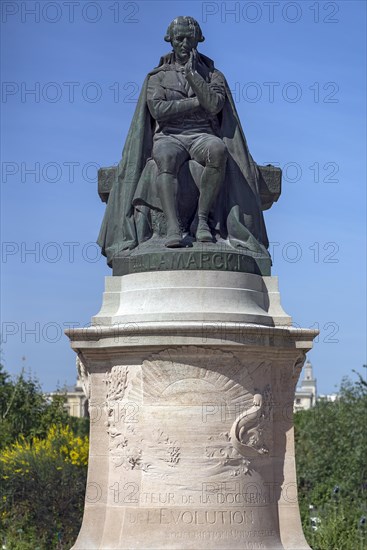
pixel 184 101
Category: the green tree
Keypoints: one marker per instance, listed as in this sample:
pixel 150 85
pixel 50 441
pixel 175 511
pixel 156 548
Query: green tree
pixel 331 468
pixel 26 411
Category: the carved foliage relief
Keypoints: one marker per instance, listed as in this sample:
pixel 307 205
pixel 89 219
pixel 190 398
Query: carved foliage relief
pixel 191 407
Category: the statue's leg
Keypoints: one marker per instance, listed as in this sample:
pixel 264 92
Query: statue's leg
pixel 169 156
pixel 211 152
pixel 167 185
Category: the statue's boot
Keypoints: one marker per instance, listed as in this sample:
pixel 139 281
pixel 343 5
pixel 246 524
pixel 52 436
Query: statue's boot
pixel 203 233
pixel 173 240
pixel 211 180
pixel 167 185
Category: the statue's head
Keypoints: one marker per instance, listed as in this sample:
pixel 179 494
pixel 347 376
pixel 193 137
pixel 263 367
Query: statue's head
pixel 184 33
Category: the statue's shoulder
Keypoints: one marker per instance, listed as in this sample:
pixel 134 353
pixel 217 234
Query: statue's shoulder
pixel 210 67
pixel 158 73
pixel 165 64
pixel 218 74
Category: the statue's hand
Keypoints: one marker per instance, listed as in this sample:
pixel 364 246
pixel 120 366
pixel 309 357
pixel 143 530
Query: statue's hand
pixel 191 65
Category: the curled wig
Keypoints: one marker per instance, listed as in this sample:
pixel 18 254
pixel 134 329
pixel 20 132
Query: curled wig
pixel 184 20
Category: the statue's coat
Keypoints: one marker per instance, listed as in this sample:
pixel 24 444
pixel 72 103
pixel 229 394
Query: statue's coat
pixel 237 213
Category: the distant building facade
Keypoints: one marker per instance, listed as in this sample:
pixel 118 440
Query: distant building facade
pixel 328 397
pixel 306 393
pixel 76 401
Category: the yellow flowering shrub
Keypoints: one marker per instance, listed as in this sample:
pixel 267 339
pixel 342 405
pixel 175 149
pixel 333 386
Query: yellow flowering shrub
pixel 59 442
pixel 42 487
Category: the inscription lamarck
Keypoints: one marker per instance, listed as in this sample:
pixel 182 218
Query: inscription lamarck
pixel 191 259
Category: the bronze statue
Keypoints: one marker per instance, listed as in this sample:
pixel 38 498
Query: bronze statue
pixel 185 101
pixel 186 156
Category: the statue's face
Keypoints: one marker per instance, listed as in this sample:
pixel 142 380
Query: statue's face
pixel 183 41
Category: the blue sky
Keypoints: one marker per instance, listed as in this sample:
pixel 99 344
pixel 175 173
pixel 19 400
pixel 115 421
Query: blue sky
pixel 296 70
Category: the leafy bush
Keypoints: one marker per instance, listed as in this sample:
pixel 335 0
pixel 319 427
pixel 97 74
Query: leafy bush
pixel 42 489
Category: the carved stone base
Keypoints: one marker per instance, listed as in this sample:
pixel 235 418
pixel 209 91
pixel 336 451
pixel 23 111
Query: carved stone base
pixel 191 443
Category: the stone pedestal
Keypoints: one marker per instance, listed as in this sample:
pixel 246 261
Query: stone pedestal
pixel 190 378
